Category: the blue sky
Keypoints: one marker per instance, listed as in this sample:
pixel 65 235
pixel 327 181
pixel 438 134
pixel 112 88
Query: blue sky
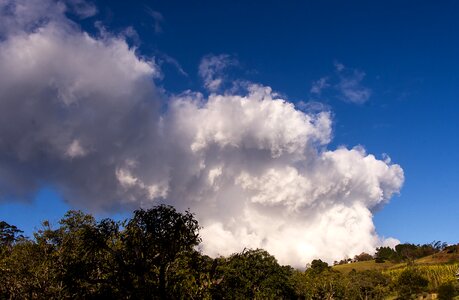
pixel 404 53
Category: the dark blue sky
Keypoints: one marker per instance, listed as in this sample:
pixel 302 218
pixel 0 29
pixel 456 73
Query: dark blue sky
pixel 408 51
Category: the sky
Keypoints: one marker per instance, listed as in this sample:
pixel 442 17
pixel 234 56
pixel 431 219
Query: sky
pixel 325 118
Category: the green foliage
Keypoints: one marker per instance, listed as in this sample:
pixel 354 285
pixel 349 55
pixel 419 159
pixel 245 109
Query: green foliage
pixel 369 284
pixel 386 253
pixel 447 291
pixel 83 258
pixel 363 257
pixel 251 274
pixel 435 274
pixel 319 281
pixel 330 284
pixel 190 276
pixel 318 266
pixel 82 254
pixel 153 255
pixel 363 266
pixel 27 272
pixel 410 283
pixel 408 252
pixel 152 241
pixel 9 234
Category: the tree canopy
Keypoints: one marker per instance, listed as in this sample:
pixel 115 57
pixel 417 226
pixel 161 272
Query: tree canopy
pixel 154 255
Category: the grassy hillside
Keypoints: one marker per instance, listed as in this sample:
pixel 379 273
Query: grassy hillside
pixel 364 265
pixel 436 274
pixel 448 256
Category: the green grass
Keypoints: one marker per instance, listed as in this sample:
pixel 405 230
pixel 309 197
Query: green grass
pixel 436 274
pixel 439 258
pixel 435 270
pixel 435 259
pixel 364 265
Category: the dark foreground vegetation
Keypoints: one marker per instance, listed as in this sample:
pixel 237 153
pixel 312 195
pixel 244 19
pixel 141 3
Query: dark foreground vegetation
pixel 154 256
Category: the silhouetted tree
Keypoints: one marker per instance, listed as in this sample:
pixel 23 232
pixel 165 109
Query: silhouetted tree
pixel 9 234
pixel 152 241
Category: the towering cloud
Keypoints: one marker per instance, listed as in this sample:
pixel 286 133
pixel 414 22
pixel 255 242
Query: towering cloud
pixel 83 114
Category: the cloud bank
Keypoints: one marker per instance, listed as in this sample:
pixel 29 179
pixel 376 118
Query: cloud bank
pixel 83 114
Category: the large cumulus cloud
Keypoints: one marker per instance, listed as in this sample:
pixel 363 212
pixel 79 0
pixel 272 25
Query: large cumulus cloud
pixel 83 114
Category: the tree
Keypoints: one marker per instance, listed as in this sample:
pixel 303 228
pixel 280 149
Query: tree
pixel 153 256
pixel 9 234
pixel 191 276
pixel 409 283
pixel 385 253
pixel 318 266
pixel 152 241
pixel 369 284
pixel 251 274
pixel 363 257
pixel 79 255
pixel 319 282
pixel 447 291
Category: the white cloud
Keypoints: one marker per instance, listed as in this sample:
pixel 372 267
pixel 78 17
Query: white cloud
pixel 350 85
pixel 390 242
pixel 319 85
pixel 278 187
pixel 211 70
pixel 256 170
pixel 158 19
pixel 173 62
pixel 339 66
pixel 75 149
pixel 347 83
pixel 82 8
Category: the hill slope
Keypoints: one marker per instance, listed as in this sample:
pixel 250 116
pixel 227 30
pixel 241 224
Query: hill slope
pixel 449 255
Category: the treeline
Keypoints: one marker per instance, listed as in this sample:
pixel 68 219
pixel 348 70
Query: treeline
pixel 401 253
pixel 408 252
pixel 153 256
